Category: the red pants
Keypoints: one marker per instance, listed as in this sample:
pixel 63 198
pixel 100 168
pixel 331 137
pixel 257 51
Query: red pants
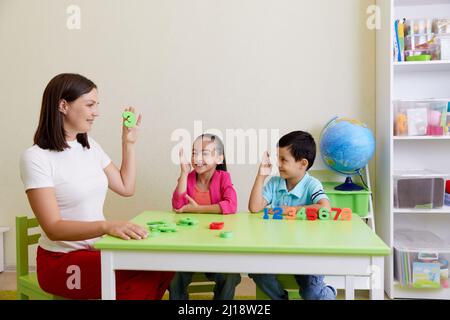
pixel 77 275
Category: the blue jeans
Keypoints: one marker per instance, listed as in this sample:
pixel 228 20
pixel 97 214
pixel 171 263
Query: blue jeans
pixel 310 287
pixel 224 289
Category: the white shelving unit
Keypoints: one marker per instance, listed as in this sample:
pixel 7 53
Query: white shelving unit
pixel 2 263
pixel 408 80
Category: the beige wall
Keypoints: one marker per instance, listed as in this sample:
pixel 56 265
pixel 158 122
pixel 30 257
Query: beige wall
pixel 262 64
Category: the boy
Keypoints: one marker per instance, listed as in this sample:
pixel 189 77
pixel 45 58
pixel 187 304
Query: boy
pixel 294 188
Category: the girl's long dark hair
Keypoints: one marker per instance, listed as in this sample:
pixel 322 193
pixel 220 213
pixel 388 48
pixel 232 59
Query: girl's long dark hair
pixel 219 148
pixel 50 132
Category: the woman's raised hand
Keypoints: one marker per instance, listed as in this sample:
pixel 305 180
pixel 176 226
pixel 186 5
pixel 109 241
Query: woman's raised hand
pixel 129 135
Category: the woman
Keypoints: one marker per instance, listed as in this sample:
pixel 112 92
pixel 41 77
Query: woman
pixel 66 175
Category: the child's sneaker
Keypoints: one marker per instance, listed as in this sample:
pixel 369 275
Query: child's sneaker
pixel 334 290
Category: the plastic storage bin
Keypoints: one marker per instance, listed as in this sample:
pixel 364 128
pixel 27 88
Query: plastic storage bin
pixel 420 259
pixel 425 45
pixel 420 117
pixel 447 129
pixel 448 119
pixel 444 45
pixel 420 41
pixel 427 39
pixel 432 53
pixel 358 201
pixel 441 26
pixel 418 26
pixel 419 189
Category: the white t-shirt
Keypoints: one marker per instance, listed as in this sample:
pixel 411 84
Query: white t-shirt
pixel 80 185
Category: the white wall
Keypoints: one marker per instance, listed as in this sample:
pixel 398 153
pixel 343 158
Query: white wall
pixel 261 64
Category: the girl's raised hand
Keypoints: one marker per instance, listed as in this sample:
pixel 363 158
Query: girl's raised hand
pixel 185 166
pixel 129 135
pixel 265 169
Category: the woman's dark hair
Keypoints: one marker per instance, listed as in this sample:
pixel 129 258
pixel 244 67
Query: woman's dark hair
pixel 301 146
pixel 50 133
pixel 219 148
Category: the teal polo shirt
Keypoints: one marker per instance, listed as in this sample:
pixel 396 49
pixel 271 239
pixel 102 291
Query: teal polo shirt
pixel 308 191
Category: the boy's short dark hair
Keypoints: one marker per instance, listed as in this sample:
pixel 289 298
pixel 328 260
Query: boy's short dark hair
pixel 301 145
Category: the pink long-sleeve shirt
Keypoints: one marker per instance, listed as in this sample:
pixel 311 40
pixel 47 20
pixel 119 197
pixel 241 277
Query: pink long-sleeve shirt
pixel 221 191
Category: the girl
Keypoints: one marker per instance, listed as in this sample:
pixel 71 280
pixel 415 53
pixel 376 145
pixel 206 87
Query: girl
pixel 66 175
pixel 207 189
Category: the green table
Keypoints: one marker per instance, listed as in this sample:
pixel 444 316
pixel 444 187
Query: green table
pixel 344 248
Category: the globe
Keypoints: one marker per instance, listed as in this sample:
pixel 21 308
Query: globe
pixel 346 146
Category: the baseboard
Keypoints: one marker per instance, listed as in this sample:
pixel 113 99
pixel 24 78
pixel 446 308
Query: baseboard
pixel 12 268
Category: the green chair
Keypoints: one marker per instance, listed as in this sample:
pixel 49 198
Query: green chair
pixel 27 283
pixel 201 284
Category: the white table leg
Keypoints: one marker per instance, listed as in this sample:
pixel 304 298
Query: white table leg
pixel 377 279
pixel 108 276
pixel 349 288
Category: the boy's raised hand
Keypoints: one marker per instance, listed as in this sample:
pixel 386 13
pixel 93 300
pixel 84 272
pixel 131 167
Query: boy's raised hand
pixel 265 169
pixel 185 166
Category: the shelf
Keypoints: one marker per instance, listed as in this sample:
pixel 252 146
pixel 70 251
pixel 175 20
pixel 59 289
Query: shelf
pixel 421 138
pixel 445 209
pixel 422 66
pixel 434 294
pixel 441 251
pixel 403 3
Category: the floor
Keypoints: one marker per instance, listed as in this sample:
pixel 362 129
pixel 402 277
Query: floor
pixel 245 289
pixel 8 283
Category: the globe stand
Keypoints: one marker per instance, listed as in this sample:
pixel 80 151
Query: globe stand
pixel 348 185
